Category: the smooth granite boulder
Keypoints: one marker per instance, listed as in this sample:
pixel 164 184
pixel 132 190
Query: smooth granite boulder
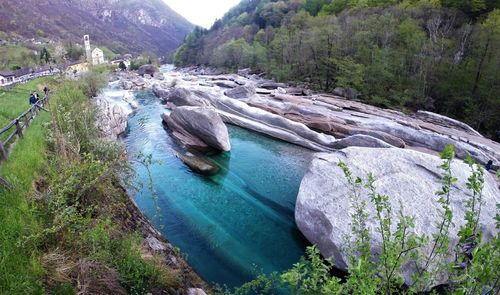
pixel 198 164
pixel 200 123
pixel 147 70
pixel 240 92
pixel 160 92
pixel 323 206
pixel 183 97
pixel 112 120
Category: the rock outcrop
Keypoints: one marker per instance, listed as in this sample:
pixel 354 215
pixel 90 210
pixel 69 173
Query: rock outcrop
pixel 240 92
pixel 408 177
pixel 321 122
pixel 113 119
pixel 147 70
pixel 183 97
pixel 195 126
pixel 160 92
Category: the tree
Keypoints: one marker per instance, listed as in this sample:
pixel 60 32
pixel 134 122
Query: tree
pixel 74 52
pixel 44 55
pixel 122 66
pixel 59 53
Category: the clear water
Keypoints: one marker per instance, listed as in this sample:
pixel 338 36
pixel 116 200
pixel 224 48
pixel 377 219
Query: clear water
pixel 230 226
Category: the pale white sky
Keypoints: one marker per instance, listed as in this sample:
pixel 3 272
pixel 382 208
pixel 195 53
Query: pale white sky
pixel 201 12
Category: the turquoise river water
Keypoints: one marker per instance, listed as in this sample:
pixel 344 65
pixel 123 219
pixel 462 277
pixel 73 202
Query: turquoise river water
pixel 230 226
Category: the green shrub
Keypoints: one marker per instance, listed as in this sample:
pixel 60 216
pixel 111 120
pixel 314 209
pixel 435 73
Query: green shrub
pixel 476 269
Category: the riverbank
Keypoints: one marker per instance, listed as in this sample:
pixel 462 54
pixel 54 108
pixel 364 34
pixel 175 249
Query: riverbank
pixel 231 224
pixel 406 144
pixel 69 226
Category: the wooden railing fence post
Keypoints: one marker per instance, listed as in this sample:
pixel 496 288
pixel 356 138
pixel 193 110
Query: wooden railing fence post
pixel 19 129
pixel 33 114
pixel 3 152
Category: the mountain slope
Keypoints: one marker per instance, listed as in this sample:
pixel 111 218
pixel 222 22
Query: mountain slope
pixel 123 25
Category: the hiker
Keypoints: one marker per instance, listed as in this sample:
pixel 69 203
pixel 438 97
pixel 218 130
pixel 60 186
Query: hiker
pixel 33 98
pixel 46 90
pixel 489 165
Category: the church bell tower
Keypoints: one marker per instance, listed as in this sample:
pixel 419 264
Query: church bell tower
pixel 86 43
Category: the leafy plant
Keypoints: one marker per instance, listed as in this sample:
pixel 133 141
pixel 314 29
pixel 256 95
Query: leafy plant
pixel 476 270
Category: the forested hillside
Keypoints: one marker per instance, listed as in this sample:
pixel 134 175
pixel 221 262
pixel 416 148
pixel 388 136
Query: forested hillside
pixel 438 55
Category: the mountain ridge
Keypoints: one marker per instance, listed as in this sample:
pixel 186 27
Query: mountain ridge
pixel 124 26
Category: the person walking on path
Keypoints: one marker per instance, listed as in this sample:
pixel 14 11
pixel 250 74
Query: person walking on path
pixel 46 90
pixel 33 99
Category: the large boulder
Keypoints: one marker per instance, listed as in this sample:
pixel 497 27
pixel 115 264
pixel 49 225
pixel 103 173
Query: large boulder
pixel 271 85
pixel 445 121
pixel 127 84
pixel 147 70
pixel 408 177
pixel 195 291
pixel 159 76
pixel 200 123
pixel 112 120
pixel 239 113
pixel 184 97
pixel 240 92
pixel 361 140
pixel 199 165
pixel 226 84
pixel 160 91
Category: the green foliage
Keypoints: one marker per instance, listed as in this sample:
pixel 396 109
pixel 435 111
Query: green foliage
pixel 20 268
pixel 44 55
pixel 65 204
pixel 74 52
pixel 122 66
pixel 108 53
pixel 394 53
pixel 123 254
pixel 17 56
pixel 93 82
pixel 475 271
pixel 314 6
pixel 312 275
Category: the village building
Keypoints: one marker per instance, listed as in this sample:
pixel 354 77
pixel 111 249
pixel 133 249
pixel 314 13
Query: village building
pixel 97 56
pixel 75 67
pixel 7 78
pixel 24 75
pixel 44 71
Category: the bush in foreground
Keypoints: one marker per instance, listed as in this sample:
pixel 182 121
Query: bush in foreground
pixel 475 270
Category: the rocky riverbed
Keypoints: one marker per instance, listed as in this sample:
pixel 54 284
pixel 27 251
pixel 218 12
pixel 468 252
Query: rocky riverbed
pixel 400 149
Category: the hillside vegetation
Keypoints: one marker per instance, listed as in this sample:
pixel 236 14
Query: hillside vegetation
pixel 130 26
pixel 437 55
pixel 67 227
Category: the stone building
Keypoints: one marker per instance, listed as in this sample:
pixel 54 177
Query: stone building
pixel 97 56
pixel 7 78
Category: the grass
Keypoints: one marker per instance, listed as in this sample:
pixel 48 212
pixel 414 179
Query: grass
pixel 15 55
pixel 64 224
pixel 19 266
pixel 14 101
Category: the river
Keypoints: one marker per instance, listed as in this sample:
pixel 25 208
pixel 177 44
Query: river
pixel 230 226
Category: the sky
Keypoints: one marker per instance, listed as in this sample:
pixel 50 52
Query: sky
pixel 201 12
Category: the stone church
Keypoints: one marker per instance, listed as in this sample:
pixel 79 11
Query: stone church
pixel 97 56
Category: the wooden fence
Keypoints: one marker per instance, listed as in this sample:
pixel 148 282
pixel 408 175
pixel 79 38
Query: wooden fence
pixel 16 127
